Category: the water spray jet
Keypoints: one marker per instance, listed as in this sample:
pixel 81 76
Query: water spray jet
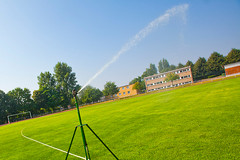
pixel 181 9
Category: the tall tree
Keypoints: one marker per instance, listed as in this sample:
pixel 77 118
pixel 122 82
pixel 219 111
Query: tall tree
pixel 153 69
pixel 97 94
pixel 46 80
pixel 233 56
pixel 171 77
pixel 150 71
pixel 180 65
pixel 7 107
pixel 163 66
pixel 214 64
pixel 189 63
pixel 139 84
pixel 47 98
pixel 110 88
pixel 90 94
pixel 138 79
pixel 40 99
pixel 22 98
pixel 140 87
pixel 199 69
pixel 171 67
pixel 65 82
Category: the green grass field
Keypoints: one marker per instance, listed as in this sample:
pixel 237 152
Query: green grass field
pixel 196 122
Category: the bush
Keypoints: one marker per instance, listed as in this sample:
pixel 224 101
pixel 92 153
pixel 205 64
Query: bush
pixel 211 76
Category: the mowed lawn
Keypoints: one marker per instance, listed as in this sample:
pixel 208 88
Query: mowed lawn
pixel 196 122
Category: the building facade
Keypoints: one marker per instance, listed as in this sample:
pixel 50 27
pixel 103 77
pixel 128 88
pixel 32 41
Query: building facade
pixel 157 81
pixel 232 69
pixel 125 91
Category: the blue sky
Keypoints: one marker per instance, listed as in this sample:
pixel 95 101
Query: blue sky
pixel 35 35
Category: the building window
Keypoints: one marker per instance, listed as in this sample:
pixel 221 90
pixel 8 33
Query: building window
pixel 128 92
pixel 123 88
pixel 127 87
pixel 119 94
pixel 123 93
pixel 115 95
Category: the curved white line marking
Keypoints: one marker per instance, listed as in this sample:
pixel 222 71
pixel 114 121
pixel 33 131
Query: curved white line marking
pixel 51 146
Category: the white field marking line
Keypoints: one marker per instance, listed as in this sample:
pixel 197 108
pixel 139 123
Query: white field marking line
pixel 51 146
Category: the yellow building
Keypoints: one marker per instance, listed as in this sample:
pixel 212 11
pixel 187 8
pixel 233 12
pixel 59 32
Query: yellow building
pixel 125 91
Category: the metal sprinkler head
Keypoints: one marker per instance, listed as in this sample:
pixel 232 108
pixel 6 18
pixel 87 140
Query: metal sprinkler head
pixel 74 92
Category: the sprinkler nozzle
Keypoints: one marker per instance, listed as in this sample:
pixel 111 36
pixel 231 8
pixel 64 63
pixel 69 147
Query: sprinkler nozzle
pixel 74 92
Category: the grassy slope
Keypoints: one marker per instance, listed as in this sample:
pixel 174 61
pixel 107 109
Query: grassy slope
pixel 198 122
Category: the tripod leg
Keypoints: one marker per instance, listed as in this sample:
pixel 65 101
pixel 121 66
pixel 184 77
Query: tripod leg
pixel 101 141
pixel 71 142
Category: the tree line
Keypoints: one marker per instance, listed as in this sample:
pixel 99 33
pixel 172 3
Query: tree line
pixel 55 89
pixel 201 69
pixel 54 93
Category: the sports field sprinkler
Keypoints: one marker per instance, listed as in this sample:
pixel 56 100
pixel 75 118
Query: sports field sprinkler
pixel 87 155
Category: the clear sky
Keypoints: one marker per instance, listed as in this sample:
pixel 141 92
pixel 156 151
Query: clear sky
pixel 86 34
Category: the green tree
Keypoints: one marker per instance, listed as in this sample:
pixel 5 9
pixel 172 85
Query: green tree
pixel 171 67
pixel 22 98
pixel 110 88
pixel 65 82
pixel 180 65
pixel 214 64
pixel 40 99
pixel 150 71
pixel 171 77
pixel 138 79
pixel 90 94
pixel 97 94
pixel 46 80
pixel 7 107
pixel 199 69
pixel 47 98
pixel 233 56
pixel 140 87
pixel 189 63
pixel 163 66
pixel 137 86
